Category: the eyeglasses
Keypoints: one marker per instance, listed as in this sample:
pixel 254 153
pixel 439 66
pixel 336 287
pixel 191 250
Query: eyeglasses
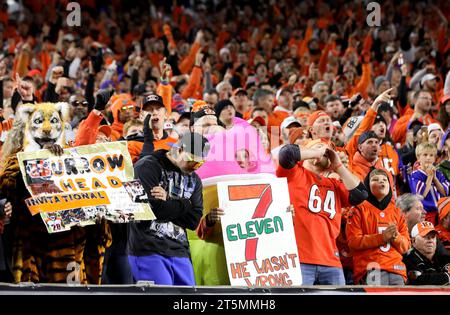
pixel 78 103
pixel 127 107
pixel 197 164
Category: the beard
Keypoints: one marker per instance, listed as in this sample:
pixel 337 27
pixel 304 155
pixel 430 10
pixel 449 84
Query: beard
pixel 323 163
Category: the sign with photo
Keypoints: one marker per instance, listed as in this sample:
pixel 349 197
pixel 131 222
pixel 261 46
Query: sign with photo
pixel 258 233
pixel 73 189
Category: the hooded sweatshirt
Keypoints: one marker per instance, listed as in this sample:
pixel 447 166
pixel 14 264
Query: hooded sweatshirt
pixel 365 223
pixel 182 210
pixel 115 109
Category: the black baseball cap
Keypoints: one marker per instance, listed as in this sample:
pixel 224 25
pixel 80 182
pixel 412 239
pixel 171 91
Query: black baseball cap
pixel 195 144
pixel 378 119
pixel 153 99
pixel 384 107
pixel 185 115
pixel 414 123
pixel 200 113
pixel 299 104
pixel 139 89
pixel 366 136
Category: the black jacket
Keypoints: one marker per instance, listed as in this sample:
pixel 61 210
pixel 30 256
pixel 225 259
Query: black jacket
pixel 422 271
pixel 182 210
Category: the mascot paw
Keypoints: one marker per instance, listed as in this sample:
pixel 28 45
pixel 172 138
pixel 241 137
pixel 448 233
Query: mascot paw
pixel 55 149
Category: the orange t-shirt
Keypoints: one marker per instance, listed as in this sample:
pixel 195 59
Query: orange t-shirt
pixel 444 236
pixel 318 203
pixel 273 129
pixel 135 147
pixel 400 128
pixel 365 224
pixel 277 117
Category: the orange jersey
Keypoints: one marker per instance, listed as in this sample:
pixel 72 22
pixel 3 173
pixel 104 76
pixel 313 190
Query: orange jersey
pixel 365 224
pixel 273 128
pixel 400 128
pixel 388 155
pixel 318 203
pixel 389 159
pixel 345 253
pixel 277 117
pixel 361 167
pixel 444 236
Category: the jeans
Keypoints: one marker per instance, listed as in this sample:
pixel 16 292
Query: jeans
pixel 117 270
pixel 381 277
pixel 322 275
pixel 348 276
pixel 116 267
pixel 162 270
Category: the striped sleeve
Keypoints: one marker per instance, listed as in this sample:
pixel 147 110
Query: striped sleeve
pixel 444 182
pixel 417 183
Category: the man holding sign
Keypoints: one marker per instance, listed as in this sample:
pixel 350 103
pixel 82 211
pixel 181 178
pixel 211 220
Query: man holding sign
pixel 258 232
pixel 318 203
pixel 159 249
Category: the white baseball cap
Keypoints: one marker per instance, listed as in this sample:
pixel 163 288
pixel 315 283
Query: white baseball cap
pixel 434 126
pixel 289 121
pixel 351 125
pixel 427 77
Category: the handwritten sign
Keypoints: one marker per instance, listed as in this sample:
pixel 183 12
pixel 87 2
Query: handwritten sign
pixel 74 188
pixel 258 233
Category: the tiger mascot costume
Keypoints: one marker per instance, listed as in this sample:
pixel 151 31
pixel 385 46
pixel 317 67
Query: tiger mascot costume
pixel 38 256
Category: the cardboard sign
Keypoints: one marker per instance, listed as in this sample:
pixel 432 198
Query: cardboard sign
pixel 74 188
pixel 258 233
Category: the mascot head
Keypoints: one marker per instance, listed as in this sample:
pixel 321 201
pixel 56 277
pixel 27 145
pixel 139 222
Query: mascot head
pixel 44 124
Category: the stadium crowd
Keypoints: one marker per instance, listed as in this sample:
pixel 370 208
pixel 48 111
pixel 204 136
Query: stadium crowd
pixel 356 117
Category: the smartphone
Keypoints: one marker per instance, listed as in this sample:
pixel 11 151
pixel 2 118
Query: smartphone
pixel 137 49
pixel 205 56
pixel 401 61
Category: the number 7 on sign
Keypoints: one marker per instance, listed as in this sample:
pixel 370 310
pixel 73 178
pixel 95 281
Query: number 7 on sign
pixel 263 192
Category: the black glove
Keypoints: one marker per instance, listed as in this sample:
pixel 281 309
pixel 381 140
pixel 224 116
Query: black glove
pixel 97 60
pixel 102 98
pixel 148 132
pixel 148 146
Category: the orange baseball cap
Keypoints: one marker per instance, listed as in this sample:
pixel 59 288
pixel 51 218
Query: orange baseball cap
pixel 198 105
pixel 422 229
pixel 257 119
pixel 316 115
pixel 443 207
